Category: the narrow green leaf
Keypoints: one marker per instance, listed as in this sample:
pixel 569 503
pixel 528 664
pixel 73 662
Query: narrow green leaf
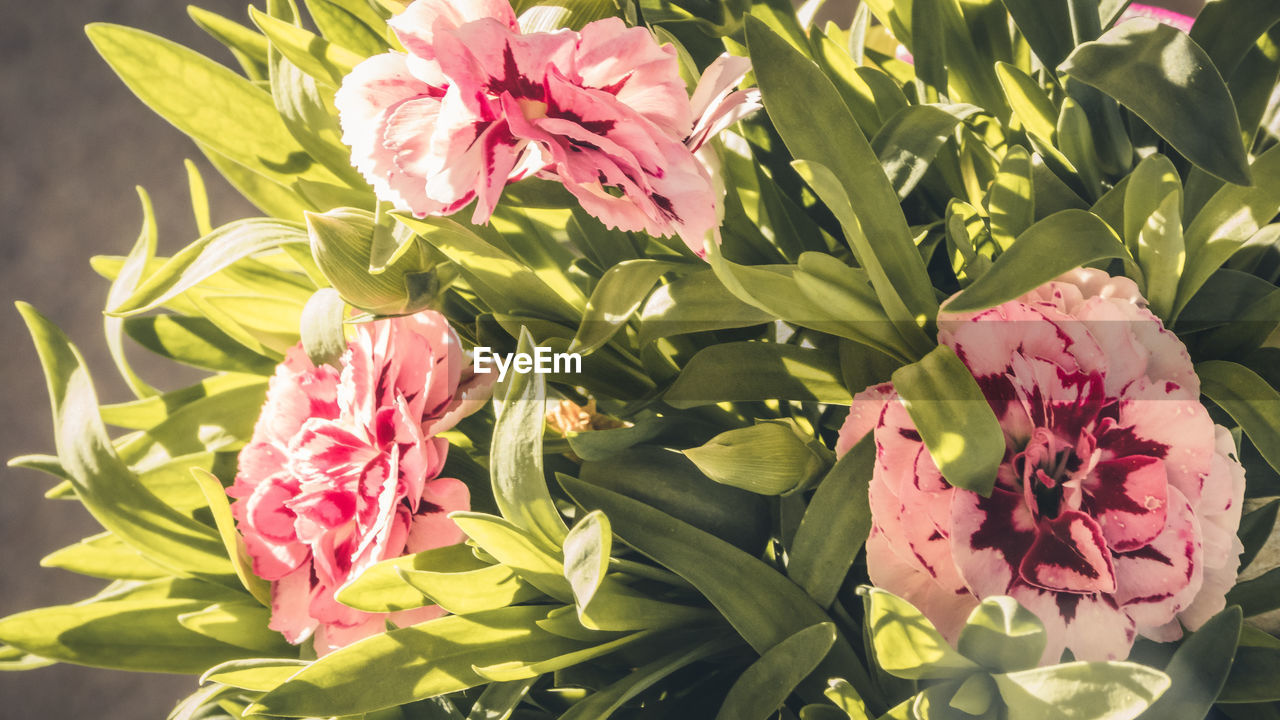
pixel 519 550
pixel 763 606
pixel 195 341
pixel 1227 28
pixel 207 101
pixel 107 487
pixel 216 496
pixel 248 47
pixel 908 141
pixel 1162 254
pixel 744 371
pixel 470 591
pixel 1061 242
pixel 1199 669
pixel 1258 595
pixel 243 624
pixel 425 660
pixel 618 294
pixel 796 94
pixel 381 588
pixel 1255 529
pixel 1252 678
pixel 1011 200
pixel 515 458
pixel 514 670
pixel 586 556
pixel 1167 80
pixel 1232 216
pixel 954 419
pixel 499 700
pixel 835 526
pixel 347 28
pixel 762 688
pixel 1043 23
pixel 1249 400
pixel 144 250
pixel 208 255
pixel 104 556
pixel 697 302
pixel 256 674
pixel 1031 106
pixel 142 635
pixel 342 242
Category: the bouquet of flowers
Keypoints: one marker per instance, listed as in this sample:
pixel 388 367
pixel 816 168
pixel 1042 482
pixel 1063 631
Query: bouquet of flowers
pixel 685 359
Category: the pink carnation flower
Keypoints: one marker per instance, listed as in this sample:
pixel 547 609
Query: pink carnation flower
pixel 343 471
pixel 475 104
pixel 1116 507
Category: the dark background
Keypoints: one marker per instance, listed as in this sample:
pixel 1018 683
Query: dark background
pixel 73 143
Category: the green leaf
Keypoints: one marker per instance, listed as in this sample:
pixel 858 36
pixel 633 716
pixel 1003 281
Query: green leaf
pixel 835 525
pixel 507 284
pixel 954 419
pixel 908 142
pixel 601 704
pixel 618 294
pixel 1148 186
pixel 515 458
pixel 1082 690
pixel 1255 529
pixel 219 422
pixel 257 674
pixel 104 556
pixel 763 606
pixel 762 688
pixel 1031 106
pixel 471 591
pixel 220 508
pixel 1002 636
pixel 519 550
pixel 1227 28
pixel 906 644
pixel 806 109
pixel 243 624
pixel 671 483
pixel 1011 200
pixel 323 335
pixel 108 488
pixel 205 257
pixel 248 47
pixel 586 556
pixel 1075 140
pixel 1044 24
pixel 306 107
pixel 1167 80
pixel 148 412
pixel 342 242
pixel 840 692
pixel 425 660
pixel 1252 678
pixel 142 635
pixel 1061 242
pixel 908 312
pixel 1232 216
pixel 1199 669
pixel 381 588
pixel 351 25
pixel 131 271
pixel 745 371
pixel 1249 400
pixel 207 101
pixel 770 458
pixel 697 302
pixel 499 700
pixel 195 341
pixel 513 670
pixel 1258 595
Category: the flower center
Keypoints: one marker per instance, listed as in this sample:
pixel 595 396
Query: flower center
pixel 1047 482
pixel 1047 466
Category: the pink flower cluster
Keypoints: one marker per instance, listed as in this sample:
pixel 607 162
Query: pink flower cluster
pixel 475 104
pixel 1116 507
pixel 343 471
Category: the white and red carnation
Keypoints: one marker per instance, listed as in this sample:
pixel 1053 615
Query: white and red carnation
pixel 475 104
pixel 1115 509
pixel 343 471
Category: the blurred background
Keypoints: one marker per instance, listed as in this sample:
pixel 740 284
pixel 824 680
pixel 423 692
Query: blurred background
pixel 73 144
